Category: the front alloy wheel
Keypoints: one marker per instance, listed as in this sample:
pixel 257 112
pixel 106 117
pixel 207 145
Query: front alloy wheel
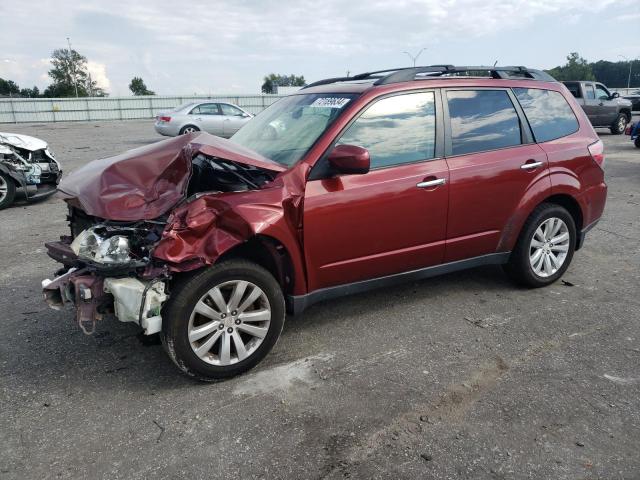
pixel 223 320
pixel 229 322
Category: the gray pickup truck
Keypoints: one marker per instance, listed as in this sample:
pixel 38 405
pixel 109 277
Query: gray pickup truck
pixel 604 109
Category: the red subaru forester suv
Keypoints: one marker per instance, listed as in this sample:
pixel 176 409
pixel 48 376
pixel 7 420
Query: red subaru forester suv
pixel 350 184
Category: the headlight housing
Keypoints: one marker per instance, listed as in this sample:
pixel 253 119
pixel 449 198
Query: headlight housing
pixel 111 250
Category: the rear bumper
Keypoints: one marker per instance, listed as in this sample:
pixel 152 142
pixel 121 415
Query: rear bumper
pixel 165 129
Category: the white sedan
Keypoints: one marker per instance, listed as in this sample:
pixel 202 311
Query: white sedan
pixel 217 118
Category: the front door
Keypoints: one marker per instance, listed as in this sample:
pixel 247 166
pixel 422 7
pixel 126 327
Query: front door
pixel 392 219
pixel 492 163
pixel 232 119
pixel 608 106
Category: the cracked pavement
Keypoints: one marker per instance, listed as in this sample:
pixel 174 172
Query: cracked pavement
pixel 460 376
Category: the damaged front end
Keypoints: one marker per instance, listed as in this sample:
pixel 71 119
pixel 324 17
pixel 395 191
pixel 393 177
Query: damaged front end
pixel 129 223
pixel 29 164
pixel 108 269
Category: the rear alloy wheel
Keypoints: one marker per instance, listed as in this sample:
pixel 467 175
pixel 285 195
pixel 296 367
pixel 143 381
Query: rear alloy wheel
pixel 7 190
pixel 224 320
pixel 618 127
pixel 545 247
pixel 189 129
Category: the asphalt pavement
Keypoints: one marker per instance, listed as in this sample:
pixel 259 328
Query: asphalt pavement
pixel 464 376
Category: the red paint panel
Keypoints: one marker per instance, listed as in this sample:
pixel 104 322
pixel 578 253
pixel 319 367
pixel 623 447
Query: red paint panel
pixel 485 192
pixel 364 226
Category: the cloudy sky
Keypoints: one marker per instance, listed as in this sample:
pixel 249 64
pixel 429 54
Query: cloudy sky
pixel 225 46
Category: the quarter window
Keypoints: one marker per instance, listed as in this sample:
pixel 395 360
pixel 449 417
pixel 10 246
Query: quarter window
pixel 482 120
pixel 230 110
pixel 396 130
pixel 549 114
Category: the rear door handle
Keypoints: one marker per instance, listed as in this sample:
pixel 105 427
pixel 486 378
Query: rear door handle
pixel 431 183
pixel 530 165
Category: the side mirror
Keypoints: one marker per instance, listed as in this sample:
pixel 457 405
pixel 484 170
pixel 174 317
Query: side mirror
pixel 350 159
pixel 615 95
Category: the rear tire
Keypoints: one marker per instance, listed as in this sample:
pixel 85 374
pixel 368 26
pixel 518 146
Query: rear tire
pixel 212 329
pixel 619 125
pixel 189 129
pixel 7 190
pixel 537 261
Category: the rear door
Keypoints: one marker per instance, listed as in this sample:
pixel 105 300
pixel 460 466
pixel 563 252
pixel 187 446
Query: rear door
pixel 591 104
pixel 392 219
pixel 232 119
pixel 208 118
pixel 492 163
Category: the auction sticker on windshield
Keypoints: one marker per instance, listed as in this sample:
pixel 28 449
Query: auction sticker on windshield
pixel 330 102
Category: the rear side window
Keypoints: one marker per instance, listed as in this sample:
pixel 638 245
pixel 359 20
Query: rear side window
pixel 395 130
pixel 206 109
pixel 589 92
pixel 549 114
pixel 482 120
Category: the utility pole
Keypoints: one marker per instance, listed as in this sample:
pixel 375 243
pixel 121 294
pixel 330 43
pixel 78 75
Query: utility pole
pixel 415 57
pixel 73 68
pixel 629 78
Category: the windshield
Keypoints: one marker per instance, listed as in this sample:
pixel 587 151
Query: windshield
pixel 286 130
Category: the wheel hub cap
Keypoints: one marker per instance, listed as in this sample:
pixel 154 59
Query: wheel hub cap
pixel 229 322
pixel 549 247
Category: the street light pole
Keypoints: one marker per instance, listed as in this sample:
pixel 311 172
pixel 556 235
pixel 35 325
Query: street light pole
pixel 73 69
pixel 414 58
pixel 629 78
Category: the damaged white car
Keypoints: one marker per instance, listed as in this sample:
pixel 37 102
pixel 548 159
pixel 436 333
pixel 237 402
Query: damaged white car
pixel 26 164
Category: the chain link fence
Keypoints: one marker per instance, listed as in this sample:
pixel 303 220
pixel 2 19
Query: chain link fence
pixel 24 110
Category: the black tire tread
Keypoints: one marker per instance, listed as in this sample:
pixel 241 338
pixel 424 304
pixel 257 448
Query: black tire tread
pixel 11 191
pixel 518 268
pixel 183 289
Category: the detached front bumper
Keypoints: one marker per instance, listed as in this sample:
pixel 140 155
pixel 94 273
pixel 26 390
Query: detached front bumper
pixel 94 294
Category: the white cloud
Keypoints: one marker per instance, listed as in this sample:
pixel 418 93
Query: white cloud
pixel 212 45
pixel 98 72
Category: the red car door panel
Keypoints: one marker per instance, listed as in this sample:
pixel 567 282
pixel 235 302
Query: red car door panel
pixel 485 192
pixel 365 226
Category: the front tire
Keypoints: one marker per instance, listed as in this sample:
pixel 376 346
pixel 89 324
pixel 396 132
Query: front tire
pixel 545 247
pixel 619 125
pixel 7 190
pixel 224 320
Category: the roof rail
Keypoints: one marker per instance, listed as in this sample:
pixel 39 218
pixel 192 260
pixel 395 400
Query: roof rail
pixel 396 75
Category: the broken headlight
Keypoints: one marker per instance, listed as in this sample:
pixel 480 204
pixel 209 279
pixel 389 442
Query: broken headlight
pixel 89 245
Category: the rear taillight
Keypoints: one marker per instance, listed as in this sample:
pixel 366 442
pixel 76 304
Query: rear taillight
pixel 164 119
pixel 597 153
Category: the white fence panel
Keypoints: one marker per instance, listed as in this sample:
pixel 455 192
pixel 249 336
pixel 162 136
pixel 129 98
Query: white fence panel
pixel 23 110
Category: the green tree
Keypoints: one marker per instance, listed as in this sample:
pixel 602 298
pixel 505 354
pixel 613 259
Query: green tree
pixel 70 76
pixel 8 87
pixel 30 92
pixel 273 80
pixel 576 68
pixel 138 87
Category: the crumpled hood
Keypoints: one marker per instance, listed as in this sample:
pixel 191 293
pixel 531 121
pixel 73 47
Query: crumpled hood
pixel 146 182
pixel 22 141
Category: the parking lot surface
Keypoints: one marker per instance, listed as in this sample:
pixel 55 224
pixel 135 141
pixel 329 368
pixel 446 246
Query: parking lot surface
pixel 461 376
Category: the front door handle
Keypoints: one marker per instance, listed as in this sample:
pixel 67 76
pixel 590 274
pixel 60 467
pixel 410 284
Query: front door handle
pixel 530 165
pixel 431 183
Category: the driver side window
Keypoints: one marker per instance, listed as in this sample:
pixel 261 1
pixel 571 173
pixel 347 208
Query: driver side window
pixel 396 130
pixel 601 93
